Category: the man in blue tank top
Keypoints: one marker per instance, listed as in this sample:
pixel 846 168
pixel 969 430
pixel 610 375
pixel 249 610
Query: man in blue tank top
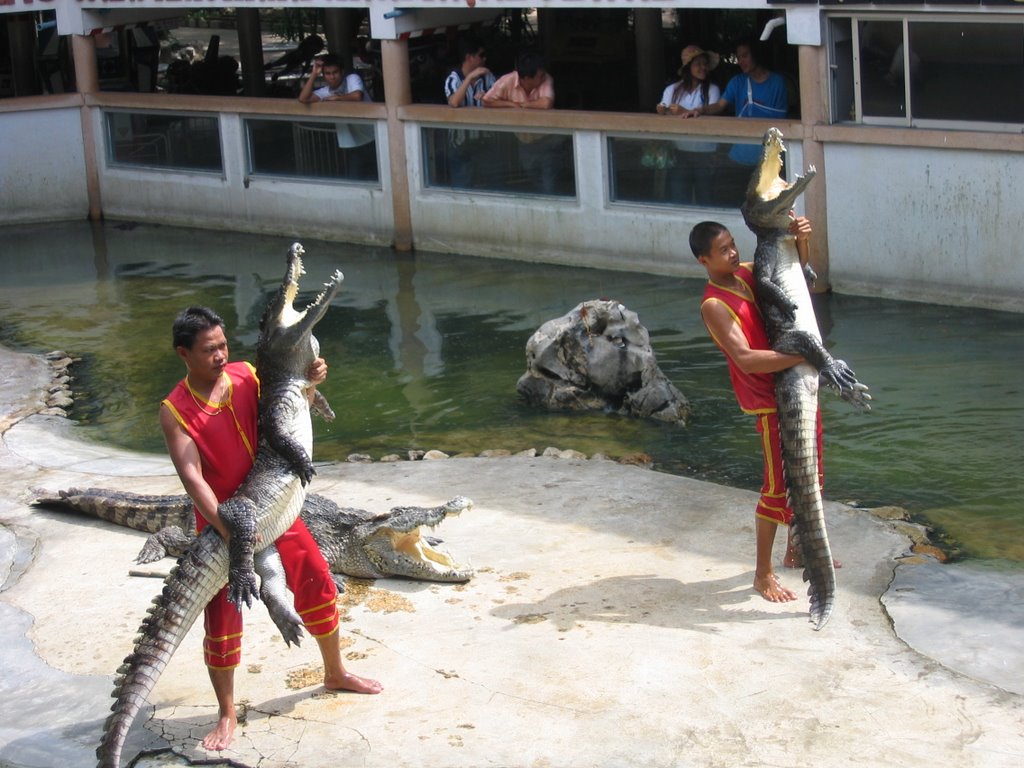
pixel 755 92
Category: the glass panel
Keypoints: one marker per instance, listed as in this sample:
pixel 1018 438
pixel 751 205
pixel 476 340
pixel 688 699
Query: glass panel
pixel 843 105
pixel 164 141
pixel 967 71
pixel 524 162
pixel 882 89
pixel 335 150
pixel 680 171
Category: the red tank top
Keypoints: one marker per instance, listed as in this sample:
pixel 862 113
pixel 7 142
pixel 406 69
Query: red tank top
pixel 755 392
pixel 225 432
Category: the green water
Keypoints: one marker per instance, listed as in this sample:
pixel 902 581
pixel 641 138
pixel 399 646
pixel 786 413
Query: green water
pixel 425 352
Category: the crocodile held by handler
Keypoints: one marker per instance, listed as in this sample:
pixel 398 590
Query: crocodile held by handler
pixel 264 507
pixel 785 304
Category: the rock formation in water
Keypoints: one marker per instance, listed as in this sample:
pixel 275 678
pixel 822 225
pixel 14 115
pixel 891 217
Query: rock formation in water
pixel 599 357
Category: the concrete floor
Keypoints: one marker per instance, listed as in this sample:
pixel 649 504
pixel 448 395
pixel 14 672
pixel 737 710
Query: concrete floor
pixel 611 623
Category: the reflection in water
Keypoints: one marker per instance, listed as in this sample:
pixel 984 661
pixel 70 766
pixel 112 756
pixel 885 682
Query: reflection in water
pixel 414 341
pixel 250 299
pixel 425 352
pixel 99 247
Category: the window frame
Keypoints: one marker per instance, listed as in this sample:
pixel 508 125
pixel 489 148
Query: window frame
pixel 906 20
pixel 110 143
pixel 251 172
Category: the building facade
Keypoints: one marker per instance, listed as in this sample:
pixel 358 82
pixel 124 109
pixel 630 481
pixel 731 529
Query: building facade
pixel 911 113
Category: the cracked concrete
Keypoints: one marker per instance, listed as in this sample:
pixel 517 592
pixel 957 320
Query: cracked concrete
pixel 610 623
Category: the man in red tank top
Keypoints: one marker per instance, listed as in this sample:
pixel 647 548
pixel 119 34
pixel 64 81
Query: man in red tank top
pixel 731 316
pixel 209 421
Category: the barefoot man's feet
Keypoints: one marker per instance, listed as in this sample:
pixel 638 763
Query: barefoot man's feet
pixel 221 736
pixel 771 589
pixel 349 682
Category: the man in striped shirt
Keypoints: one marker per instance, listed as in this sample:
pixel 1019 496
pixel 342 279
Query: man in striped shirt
pixel 465 86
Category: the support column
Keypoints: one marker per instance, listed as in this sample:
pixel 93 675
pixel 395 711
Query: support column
pixel 398 93
pixel 250 49
pixel 87 79
pixel 650 56
pixel 21 38
pixel 341 26
pixel 813 112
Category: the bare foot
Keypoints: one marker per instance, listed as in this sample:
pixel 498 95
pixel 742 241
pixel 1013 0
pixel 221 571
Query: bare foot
pixel 221 736
pixel 771 589
pixel 349 682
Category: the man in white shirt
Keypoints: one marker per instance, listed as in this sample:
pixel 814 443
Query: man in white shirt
pixel 338 87
pixel 355 139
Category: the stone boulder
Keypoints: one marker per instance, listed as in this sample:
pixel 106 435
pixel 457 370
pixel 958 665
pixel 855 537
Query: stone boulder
pixel 599 357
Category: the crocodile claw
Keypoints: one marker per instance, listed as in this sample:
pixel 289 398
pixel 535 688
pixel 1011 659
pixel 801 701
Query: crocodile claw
pixel 305 472
pixel 291 631
pixel 838 376
pixel 287 621
pixel 243 587
pixel 857 396
pixel 163 542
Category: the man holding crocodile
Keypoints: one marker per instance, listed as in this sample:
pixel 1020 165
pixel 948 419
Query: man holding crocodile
pixel 209 421
pixel 730 313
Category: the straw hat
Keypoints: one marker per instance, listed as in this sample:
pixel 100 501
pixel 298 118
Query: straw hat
pixel 691 52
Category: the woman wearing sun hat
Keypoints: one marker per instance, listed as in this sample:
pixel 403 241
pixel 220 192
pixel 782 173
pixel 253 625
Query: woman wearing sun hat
pixel 690 180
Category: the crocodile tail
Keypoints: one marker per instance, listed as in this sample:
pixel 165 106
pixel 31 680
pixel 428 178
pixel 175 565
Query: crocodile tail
pixel 194 581
pixel 819 572
pixel 798 413
pixel 140 512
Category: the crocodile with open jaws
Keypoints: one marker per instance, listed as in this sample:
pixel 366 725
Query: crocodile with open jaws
pixel 785 303
pixel 264 507
pixel 354 542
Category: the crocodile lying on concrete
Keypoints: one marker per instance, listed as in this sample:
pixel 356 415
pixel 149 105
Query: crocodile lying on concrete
pixel 785 304
pixel 354 542
pixel 263 508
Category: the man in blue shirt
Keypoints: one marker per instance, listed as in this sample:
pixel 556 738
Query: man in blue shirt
pixel 755 92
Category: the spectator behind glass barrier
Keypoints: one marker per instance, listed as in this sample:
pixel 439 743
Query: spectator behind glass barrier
pixel 337 86
pixel 465 86
pixel 531 87
pixel 691 167
pixel 356 140
pixel 755 92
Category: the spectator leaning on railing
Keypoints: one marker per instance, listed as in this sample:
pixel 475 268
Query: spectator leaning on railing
pixel 465 86
pixel 467 83
pixel 531 87
pixel 338 86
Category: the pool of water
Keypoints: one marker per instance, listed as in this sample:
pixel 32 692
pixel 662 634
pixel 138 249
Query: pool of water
pixel 425 351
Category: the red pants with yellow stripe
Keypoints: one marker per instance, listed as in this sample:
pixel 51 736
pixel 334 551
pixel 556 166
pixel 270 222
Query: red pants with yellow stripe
pixel 308 577
pixel 773 505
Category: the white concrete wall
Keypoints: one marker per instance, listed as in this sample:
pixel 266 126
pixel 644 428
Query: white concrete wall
pixel 358 213
pixel 937 225
pixel 587 231
pixel 927 224
pixel 42 166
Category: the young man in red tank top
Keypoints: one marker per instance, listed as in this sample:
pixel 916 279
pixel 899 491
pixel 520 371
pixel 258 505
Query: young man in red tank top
pixel 731 316
pixel 209 422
